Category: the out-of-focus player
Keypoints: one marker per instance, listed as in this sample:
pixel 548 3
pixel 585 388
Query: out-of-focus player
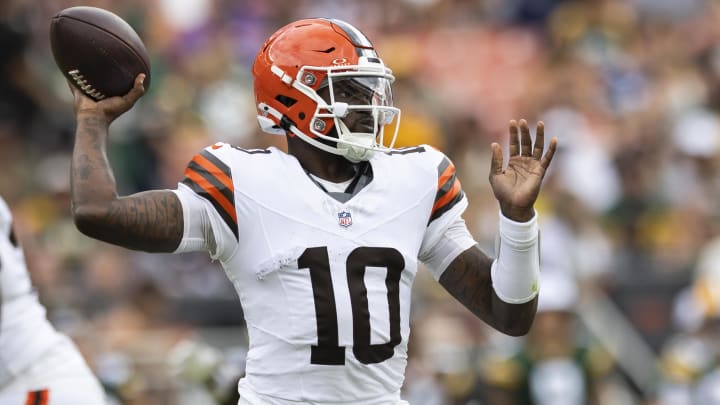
pixel 323 243
pixel 38 365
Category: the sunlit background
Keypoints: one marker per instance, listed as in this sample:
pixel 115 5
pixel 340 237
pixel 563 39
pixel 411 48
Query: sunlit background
pixel 629 210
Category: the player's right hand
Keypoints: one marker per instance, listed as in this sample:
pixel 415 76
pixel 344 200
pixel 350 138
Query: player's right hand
pixel 110 108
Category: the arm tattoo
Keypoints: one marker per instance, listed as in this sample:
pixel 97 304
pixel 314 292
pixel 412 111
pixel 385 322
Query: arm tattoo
pixel 151 221
pixel 152 218
pixel 84 167
pixel 92 129
pixel 468 279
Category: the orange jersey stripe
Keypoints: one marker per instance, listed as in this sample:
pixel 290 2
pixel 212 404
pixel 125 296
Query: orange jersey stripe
pixel 448 196
pixel 44 397
pixel 38 397
pixel 215 171
pixel 446 175
pixel 214 192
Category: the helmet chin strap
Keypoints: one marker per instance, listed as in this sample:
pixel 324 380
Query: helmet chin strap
pixel 353 146
pixel 353 153
pixel 356 145
pixel 314 142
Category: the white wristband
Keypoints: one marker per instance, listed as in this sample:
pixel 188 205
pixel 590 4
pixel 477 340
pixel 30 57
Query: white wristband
pixel 516 269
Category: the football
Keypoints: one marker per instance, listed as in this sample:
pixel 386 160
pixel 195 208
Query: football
pixel 97 51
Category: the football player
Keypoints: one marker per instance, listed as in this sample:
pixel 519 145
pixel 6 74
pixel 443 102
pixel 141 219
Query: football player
pixel 322 243
pixel 38 365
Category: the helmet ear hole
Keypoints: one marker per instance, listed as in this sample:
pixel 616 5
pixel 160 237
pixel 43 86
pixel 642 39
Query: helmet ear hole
pixel 285 100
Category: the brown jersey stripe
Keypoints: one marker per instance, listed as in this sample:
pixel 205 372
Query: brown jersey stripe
pixel 215 161
pixel 449 190
pixel 205 189
pixel 446 181
pixel 448 200
pixel 38 397
pixel 208 190
pixel 216 181
pixel 445 208
pixel 448 196
pixel 443 167
pixel 215 166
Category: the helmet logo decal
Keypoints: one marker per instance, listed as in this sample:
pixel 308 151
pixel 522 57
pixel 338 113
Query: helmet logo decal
pixel 340 61
pixel 344 218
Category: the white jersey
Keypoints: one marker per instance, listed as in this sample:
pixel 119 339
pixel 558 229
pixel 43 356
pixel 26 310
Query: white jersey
pixel 38 365
pixel 325 285
pixel 25 333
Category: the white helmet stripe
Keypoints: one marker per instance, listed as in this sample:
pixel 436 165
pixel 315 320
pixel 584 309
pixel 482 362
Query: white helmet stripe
pixel 362 44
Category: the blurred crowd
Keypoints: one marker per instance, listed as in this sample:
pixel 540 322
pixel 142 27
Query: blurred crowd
pixel 630 210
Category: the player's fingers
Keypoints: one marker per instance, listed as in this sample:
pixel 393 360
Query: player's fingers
pixel 140 81
pixel 514 139
pixel 545 161
pixel 539 140
pixel 496 161
pixel 138 89
pixel 81 102
pixel 525 139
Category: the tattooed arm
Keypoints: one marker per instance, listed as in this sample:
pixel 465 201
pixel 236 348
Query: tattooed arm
pixel 516 187
pixel 151 221
pixel 468 280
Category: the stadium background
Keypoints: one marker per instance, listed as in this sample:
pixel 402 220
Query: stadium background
pixel 629 209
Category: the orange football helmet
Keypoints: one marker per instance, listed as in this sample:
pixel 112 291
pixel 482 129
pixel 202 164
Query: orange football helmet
pixel 321 80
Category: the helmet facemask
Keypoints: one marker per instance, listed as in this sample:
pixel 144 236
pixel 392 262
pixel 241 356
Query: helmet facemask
pixel 322 81
pixel 358 99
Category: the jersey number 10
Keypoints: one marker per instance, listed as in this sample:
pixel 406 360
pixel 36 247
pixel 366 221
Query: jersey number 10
pixel 327 351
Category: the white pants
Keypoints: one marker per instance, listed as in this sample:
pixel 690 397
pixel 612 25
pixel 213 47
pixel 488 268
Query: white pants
pixel 59 377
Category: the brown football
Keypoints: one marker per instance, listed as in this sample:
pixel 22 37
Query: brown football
pixel 97 51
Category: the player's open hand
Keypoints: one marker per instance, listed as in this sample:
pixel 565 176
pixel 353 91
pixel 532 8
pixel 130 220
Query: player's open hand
pixel 110 108
pixel 517 186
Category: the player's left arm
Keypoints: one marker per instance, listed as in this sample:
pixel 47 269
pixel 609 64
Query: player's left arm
pixel 503 292
pixel 468 279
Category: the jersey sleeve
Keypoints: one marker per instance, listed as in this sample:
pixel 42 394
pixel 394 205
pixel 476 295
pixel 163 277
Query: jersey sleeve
pixel 207 195
pixel 449 191
pixel 446 235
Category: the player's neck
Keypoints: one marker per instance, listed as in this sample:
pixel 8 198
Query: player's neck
pixel 322 164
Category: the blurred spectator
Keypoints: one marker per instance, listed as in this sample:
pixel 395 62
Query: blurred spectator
pixel 558 363
pixel 690 360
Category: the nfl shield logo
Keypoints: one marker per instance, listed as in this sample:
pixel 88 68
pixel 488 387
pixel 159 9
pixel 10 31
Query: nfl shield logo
pixel 344 218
